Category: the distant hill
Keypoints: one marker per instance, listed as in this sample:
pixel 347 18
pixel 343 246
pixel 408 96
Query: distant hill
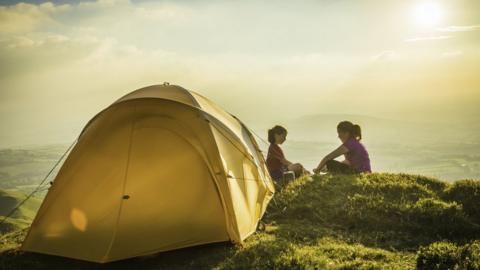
pixel 449 152
pixel 374 221
pixel 321 127
pixel 23 168
pixel 20 218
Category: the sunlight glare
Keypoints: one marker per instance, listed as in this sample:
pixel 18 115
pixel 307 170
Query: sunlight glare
pixel 427 14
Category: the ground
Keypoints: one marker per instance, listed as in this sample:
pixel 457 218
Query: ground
pixel 373 221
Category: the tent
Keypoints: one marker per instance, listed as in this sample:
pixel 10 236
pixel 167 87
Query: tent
pixel 161 168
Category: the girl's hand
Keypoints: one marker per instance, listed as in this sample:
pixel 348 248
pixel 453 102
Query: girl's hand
pixel 320 168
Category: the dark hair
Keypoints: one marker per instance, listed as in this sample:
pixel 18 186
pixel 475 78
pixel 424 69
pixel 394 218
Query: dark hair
pixel 352 129
pixel 275 130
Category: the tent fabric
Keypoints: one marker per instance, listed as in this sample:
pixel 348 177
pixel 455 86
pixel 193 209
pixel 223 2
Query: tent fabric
pixel 161 168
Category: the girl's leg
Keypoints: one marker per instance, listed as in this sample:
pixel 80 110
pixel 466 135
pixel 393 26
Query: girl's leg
pixel 276 175
pixel 338 167
pixel 298 169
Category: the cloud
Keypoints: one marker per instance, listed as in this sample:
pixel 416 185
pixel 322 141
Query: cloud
pixel 19 42
pixel 42 42
pixel 463 28
pixel 24 17
pixel 451 54
pixel 427 38
pixel 163 12
pixel 103 3
pixel 386 56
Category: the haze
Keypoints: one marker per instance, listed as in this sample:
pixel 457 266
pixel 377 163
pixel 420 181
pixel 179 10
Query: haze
pixel 267 62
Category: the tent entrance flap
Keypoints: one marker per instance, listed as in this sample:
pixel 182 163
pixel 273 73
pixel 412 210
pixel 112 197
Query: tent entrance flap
pixel 170 192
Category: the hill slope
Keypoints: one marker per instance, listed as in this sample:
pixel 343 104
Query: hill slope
pixel 20 218
pixel 376 221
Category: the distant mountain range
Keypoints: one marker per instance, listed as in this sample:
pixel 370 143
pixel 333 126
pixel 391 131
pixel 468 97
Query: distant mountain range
pixel 322 127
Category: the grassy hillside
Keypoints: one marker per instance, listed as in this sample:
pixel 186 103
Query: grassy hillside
pixel 20 218
pixel 377 221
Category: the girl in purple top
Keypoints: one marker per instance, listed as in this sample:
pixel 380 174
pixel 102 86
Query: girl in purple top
pixel 356 156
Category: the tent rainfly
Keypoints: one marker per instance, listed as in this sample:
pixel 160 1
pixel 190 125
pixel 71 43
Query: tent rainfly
pixel 162 168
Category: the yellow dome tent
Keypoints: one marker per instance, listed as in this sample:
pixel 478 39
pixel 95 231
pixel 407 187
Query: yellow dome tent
pixel 161 168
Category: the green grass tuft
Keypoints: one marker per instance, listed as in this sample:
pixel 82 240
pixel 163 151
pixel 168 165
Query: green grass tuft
pixel 446 256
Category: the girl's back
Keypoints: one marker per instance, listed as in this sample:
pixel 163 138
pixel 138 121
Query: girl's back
pixel 357 155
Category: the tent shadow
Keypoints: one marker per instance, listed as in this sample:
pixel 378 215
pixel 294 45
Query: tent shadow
pixel 198 257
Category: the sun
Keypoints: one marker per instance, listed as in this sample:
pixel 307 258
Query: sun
pixel 427 14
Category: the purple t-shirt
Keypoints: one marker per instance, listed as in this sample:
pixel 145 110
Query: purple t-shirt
pixel 357 155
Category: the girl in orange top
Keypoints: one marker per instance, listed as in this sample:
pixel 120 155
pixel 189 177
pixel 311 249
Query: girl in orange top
pixel 276 162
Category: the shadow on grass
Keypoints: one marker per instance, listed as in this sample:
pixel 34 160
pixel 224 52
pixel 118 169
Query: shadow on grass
pixel 198 257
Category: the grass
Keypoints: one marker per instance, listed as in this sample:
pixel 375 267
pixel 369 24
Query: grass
pixel 374 221
pixel 446 255
pixel 21 218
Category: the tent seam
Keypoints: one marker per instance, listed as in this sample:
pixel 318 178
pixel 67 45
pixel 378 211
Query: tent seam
pixel 105 257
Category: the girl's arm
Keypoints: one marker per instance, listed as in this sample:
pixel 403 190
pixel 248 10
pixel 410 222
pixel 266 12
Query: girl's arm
pixel 341 150
pixel 280 156
pixel 346 162
pixel 285 162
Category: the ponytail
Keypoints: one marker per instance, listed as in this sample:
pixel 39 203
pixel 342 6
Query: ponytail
pixel 275 130
pixel 354 130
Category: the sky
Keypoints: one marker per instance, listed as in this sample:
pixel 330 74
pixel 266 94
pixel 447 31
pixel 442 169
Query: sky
pixel 61 62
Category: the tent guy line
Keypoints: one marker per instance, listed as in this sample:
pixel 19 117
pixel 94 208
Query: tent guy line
pixel 37 189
